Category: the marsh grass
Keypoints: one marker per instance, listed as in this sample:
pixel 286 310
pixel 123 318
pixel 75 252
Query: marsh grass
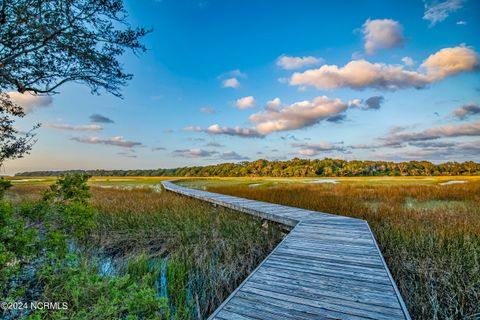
pixel 429 235
pixel 190 252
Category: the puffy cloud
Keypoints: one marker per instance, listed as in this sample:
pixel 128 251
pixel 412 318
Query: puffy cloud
pixel 245 102
pixel 117 141
pixel 408 61
pixel 361 74
pixel 231 83
pixel 193 153
pixel 207 110
pixel 450 61
pixel 274 104
pixel 374 102
pixel 313 149
pixel 216 129
pixel 382 34
pixel 230 79
pixel 298 115
pixel 461 23
pixel 436 11
pixel 466 111
pixel 275 118
pixel 28 101
pixel 100 119
pixel 70 127
pixel 231 155
pixel 290 63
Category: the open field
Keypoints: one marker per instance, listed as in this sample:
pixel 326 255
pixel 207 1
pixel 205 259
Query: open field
pixel 189 253
pixel 429 231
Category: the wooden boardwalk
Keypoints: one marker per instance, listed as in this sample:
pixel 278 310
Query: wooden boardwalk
pixel 327 267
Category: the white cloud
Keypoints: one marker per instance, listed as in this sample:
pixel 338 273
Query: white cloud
pixel 436 11
pixel 245 103
pixel 70 127
pixel 117 141
pixel 408 61
pixel 29 101
pixel 355 103
pixel 290 63
pixel 216 129
pixel 298 115
pixel 382 34
pixel 231 83
pixel 461 23
pixel 466 111
pixel 361 74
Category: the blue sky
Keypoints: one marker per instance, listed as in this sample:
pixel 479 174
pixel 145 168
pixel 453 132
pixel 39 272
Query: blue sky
pixel 201 93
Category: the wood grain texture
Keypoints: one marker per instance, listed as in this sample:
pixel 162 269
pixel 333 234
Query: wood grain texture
pixel 327 267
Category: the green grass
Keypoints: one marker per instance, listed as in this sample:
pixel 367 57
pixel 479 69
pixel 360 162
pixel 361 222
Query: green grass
pixel 429 233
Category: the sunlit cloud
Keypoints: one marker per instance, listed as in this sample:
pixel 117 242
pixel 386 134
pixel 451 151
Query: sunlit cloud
pixel 466 111
pixel 117 141
pixel 297 115
pixel 290 63
pixel 231 83
pixel 382 34
pixel 245 102
pixel 30 101
pixel 361 74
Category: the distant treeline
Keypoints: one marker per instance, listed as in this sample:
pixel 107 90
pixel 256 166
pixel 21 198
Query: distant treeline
pixel 294 168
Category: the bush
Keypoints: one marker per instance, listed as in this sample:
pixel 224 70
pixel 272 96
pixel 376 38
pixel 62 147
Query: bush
pixel 18 245
pixel 4 185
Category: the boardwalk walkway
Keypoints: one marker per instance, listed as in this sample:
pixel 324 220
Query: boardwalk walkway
pixel 327 267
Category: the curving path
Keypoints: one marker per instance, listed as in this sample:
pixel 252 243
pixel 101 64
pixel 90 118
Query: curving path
pixel 327 267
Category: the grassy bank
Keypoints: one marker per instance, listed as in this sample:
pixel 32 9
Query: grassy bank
pixel 163 253
pixel 429 233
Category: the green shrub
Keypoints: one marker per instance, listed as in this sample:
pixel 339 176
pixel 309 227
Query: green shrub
pixel 70 188
pixel 18 245
pixel 92 296
pixel 4 185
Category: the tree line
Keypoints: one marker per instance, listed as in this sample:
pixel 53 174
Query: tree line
pixel 293 168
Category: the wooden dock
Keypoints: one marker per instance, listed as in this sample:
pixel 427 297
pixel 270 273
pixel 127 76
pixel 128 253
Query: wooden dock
pixel 327 267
